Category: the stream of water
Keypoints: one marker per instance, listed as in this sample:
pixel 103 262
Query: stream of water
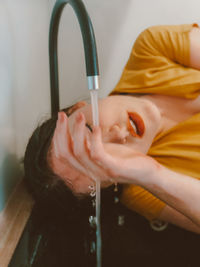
pixel 95 117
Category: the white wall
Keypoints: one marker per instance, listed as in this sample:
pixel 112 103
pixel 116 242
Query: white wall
pixel 24 70
pixel 7 137
pixel 117 23
pixel 24 87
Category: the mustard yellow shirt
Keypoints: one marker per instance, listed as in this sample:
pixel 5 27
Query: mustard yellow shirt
pixel 158 65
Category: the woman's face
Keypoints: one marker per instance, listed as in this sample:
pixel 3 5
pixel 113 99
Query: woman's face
pixel 127 120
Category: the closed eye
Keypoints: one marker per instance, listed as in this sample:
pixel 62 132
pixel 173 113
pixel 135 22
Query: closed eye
pixel 88 126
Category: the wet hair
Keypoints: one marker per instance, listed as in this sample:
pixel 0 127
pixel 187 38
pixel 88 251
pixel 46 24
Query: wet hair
pixel 44 184
pixel 60 217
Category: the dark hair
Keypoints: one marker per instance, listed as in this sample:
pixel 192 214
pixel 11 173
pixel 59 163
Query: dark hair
pixel 63 216
pixel 44 185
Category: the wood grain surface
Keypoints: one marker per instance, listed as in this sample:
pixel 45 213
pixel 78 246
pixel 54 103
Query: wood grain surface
pixel 13 220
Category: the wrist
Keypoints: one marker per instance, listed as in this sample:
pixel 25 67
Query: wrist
pixel 150 173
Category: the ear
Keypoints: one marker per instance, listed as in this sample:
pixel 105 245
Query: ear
pixel 76 106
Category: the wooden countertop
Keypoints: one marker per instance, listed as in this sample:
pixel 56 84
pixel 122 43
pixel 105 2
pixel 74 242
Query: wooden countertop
pixel 13 220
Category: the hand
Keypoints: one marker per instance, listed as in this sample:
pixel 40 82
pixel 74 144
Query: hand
pixel 79 157
pixel 69 158
pixel 121 163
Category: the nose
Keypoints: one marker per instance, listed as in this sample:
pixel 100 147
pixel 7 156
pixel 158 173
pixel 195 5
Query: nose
pixel 118 134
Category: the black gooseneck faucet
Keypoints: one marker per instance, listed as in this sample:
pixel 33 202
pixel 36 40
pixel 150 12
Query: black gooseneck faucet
pixel 88 36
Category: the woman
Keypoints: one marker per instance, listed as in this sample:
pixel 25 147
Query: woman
pixel 148 137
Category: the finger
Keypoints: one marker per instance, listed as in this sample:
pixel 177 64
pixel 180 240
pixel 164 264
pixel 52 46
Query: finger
pixel 99 155
pixel 62 139
pixel 79 136
pixel 81 150
pixel 96 143
pixel 62 142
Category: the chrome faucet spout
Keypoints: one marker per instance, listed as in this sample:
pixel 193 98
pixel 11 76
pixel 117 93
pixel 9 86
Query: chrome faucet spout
pixel 91 60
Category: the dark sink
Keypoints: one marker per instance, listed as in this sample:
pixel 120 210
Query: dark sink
pixel 49 240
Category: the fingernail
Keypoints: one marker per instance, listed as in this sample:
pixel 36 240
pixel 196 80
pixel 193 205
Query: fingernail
pixel 79 117
pixel 60 116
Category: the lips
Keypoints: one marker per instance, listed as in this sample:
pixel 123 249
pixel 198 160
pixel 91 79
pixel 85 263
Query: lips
pixel 135 124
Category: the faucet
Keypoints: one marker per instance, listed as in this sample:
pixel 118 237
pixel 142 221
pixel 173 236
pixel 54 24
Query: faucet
pixel 91 60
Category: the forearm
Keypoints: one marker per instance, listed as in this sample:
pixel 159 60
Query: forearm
pixel 168 214
pixel 194 48
pixel 179 191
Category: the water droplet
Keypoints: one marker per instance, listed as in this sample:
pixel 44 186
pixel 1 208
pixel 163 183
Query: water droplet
pixel 92 247
pixel 116 188
pixel 92 221
pixel 93 194
pixel 92 190
pixel 94 202
pixel 116 199
pixel 121 220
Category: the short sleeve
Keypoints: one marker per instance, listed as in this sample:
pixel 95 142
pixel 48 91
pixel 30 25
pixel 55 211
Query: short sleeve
pixel 158 64
pixel 141 201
